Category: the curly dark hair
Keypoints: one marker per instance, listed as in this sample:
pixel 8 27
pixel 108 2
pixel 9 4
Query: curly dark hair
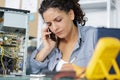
pixel 65 5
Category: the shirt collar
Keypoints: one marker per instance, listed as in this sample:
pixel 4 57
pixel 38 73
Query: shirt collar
pixel 79 33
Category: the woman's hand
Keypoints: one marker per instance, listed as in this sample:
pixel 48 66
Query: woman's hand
pixel 67 67
pixel 80 71
pixel 48 43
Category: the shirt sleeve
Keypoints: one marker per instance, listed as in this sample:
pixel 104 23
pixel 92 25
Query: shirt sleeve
pixel 37 66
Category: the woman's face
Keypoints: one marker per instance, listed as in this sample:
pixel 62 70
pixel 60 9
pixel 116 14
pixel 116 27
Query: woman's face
pixel 59 22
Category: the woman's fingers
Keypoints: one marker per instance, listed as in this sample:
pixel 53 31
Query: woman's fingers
pixel 45 33
pixel 67 67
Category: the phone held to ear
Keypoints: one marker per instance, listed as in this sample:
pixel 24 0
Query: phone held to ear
pixel 52 35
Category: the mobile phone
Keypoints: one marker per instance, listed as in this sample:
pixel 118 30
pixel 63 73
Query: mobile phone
pixel 52 35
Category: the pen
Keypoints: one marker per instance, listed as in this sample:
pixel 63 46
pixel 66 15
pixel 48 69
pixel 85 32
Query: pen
pixel 73 59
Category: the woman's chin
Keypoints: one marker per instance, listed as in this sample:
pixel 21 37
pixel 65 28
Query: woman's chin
pixel 61 37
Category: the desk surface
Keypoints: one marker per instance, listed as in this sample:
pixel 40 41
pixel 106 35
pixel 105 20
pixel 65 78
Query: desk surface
pixel 28 77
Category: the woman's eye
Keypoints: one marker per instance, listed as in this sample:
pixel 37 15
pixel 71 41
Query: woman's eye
pixel 58 20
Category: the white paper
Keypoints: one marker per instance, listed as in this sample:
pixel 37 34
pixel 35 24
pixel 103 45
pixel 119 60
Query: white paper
pixel 12 4
pixel 37 77
pixel 30 5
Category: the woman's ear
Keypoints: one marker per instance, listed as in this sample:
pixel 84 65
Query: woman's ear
pixel 71 14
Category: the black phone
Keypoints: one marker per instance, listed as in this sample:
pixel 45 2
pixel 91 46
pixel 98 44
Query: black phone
pixel 52 35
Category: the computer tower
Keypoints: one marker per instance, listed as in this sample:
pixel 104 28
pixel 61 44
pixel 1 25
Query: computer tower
pixel 14 35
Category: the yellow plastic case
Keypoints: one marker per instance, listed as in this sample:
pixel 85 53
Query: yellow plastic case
pixel 103 59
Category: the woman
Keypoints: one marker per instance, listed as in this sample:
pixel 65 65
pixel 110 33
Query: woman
pixel 73 42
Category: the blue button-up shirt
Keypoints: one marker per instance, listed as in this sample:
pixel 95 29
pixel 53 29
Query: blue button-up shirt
pixel 83 51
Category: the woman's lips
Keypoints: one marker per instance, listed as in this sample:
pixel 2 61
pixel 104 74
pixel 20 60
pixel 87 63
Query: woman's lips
pixel 58 33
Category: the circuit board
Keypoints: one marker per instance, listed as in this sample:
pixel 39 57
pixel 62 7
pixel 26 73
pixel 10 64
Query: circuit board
pixel 11 50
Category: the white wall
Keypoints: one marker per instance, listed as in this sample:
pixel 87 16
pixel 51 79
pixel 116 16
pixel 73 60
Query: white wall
pixel 98 18
pixel 118 18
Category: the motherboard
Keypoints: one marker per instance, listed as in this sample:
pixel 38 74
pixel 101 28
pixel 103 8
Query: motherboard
pixel 11 50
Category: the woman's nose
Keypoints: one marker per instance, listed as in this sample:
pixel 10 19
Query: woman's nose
pixel 54 27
